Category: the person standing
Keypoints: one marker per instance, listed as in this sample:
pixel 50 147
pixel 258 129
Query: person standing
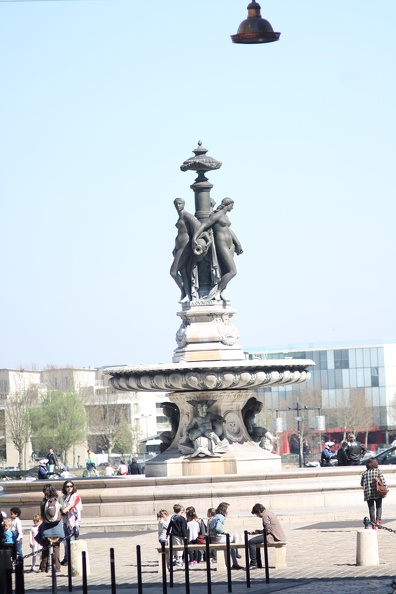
pixel 34 545
pixel 52 461
pixel 51 530
pixel 91 463
pixel 274 531
pixel 134 467
pixel 72 517
pixel 367 481
pixel 354 450
pixel 341 454
pixel 15 514
pixel 177 529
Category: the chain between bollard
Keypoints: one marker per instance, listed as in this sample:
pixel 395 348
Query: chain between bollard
pixel 46 548
pixel 367 522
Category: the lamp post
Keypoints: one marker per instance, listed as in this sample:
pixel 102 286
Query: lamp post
pixel 146 417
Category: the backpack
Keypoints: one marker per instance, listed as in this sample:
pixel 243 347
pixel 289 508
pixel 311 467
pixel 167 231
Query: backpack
pixel 380 488
pixel 52 510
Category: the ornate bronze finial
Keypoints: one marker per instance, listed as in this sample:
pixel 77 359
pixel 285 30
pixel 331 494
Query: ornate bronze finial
pixel 201 162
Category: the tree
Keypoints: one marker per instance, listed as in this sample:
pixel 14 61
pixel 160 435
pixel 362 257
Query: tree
pixel 60 422
pixel 17 418
pixel 353 412
pixel 124 440
pixel 105 413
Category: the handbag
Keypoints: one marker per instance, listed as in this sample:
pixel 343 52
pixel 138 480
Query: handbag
pixel 380 488
pixel 201 539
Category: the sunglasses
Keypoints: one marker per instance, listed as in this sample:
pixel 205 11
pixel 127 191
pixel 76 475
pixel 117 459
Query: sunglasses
pixel 69 486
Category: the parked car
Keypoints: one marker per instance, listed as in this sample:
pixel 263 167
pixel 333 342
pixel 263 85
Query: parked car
pixel 387 456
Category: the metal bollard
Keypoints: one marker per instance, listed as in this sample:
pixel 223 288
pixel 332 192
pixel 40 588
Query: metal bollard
pixel 139 569
pixel 170 561
pixel 163 566
pixel 228 563
pixel 186 567
pixel 246 543
pixel 208 575
pixel 5 572
pixel 19 577
pixel 112 571
pixel 266 555
pixel 53 568
pixel 84 572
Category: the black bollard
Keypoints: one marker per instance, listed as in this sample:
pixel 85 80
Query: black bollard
pixel 170 561
pixel 366 523
pixel 84 572
pixel 53 568
pixel 266 555
pixel 139 569
pixel 228 562
pixel 163 566
pixel 19 577
pixel 208 576
pixel 186 567
pixel 247 562
pixel 69 570
pixel 5 572
pixel 112 572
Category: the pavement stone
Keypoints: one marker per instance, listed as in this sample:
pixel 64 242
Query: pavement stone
pixel 321 556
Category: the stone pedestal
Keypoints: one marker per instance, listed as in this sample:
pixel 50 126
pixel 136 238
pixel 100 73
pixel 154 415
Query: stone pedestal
pixel 76 549
pixel 367 548
pixel 207 333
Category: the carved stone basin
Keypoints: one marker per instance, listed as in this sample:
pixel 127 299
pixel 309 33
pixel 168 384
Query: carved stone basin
pixel 209 375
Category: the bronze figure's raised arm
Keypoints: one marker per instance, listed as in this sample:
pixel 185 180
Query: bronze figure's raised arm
pixel 226 244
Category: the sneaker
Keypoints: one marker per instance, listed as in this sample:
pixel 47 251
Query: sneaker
pixel 378 522
pixel 374 527
pixel 235 567
pixel 179 563
pixel 64 562
pixel 253 566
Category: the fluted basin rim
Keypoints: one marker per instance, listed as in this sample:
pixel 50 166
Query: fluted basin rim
pixel 222 366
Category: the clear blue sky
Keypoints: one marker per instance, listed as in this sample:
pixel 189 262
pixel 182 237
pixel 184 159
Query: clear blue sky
pixel 102 101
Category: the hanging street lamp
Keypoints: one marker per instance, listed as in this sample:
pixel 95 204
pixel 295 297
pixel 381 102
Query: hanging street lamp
pixel 255 29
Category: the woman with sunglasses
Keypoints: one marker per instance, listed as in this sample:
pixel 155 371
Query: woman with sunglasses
pixel 72 517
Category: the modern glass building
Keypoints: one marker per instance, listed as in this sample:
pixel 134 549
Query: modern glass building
pixel 368 366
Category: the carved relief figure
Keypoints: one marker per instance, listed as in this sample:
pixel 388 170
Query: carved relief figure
pixel 204 432
pixel 171 411
pixel 226 244
pixel 252 408
pixel 181 268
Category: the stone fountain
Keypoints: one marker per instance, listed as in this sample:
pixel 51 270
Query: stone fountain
pixel 210 384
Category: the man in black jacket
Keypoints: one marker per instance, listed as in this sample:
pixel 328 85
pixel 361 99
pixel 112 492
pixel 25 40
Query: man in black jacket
pixel 178 530
pixel 354 450
pixel 133 467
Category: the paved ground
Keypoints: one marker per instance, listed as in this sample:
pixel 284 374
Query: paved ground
pixel 321 557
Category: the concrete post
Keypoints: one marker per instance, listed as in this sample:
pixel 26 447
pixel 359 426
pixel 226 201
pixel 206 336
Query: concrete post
pixel 367 548
pixel 76 549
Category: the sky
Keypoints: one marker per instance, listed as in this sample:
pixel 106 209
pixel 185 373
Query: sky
pixel 103 100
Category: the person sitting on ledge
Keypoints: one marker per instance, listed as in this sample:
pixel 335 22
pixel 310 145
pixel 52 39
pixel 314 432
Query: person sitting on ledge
pixel 274 531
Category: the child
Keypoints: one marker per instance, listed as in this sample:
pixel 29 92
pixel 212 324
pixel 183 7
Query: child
pixel 178 529
pixel 163 523
pixel 15 513
pixel 9 536
pixel 34 545
pixel 193 529
pixel 210 513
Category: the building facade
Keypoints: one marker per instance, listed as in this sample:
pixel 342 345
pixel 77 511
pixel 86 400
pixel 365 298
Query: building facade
pixel 362 373
pixel 142 411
